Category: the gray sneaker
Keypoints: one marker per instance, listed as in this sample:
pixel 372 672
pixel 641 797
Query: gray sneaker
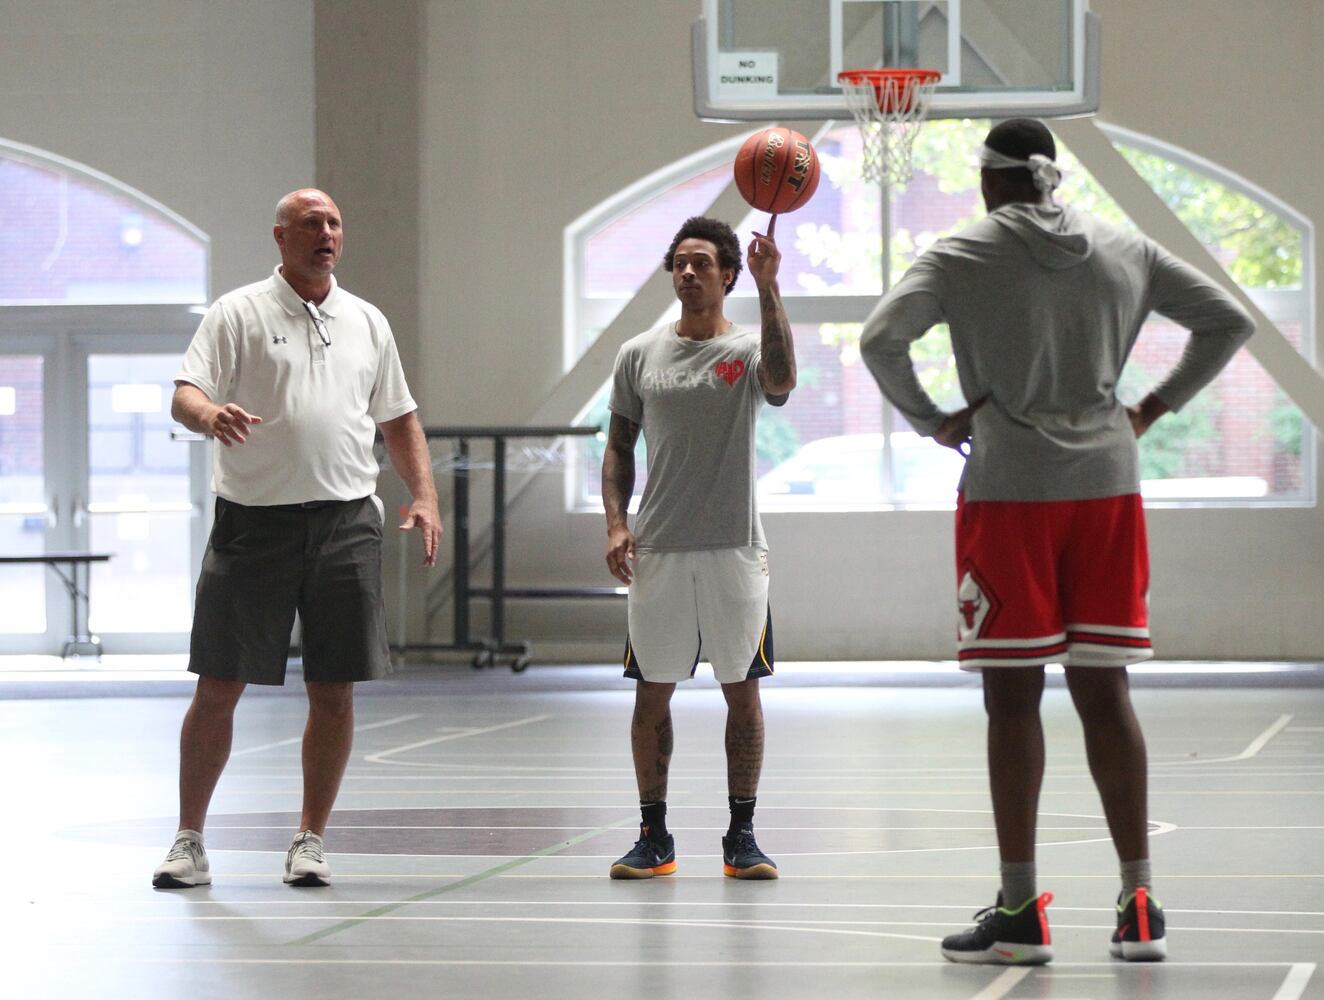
pixel 186 864
pixel 305 864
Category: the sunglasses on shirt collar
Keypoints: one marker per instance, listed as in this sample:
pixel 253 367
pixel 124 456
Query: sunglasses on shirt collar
pixel 318 323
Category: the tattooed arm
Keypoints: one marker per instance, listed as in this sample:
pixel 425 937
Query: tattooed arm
pixel 777 368
pixel 617 488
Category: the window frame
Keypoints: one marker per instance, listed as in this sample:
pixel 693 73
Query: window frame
pixel 582 313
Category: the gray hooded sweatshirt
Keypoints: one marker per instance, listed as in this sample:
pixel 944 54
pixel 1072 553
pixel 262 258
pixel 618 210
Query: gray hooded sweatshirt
pixel 1044 304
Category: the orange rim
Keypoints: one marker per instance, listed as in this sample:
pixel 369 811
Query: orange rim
pixel 891 87
pixel 880 76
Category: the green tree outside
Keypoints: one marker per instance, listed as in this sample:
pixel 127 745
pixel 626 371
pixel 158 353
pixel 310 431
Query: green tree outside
pixel 1259 249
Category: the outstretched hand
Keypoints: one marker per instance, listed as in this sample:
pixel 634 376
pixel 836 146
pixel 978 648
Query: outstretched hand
pixel 230 423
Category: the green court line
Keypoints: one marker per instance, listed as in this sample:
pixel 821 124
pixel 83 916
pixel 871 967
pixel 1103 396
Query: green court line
pixel 468 880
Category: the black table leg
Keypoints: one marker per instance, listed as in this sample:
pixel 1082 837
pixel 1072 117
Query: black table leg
pixel 460 571
pixel 499 542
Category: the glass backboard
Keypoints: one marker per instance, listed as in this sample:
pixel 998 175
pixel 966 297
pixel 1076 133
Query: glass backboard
pixel 765 60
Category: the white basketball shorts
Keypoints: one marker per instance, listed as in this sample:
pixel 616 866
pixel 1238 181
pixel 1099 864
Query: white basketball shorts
pixel 710 604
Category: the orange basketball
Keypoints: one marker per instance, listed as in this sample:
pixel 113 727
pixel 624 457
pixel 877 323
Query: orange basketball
pixel 777 170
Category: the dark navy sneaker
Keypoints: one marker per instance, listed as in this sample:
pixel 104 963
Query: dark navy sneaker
pixel 1005 937
pixel 1140 932
pixel 648 858
pixel 741 857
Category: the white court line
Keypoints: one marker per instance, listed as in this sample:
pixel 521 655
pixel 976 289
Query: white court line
pixel 1001 986
pixel 1295 983
pixel 763 810
pixel 613 748
pixel 1212 777
pixel 1219 876
pixel 439 775
pixel 763 828
pixel 857 793
pixel 655 964
pixel 687 904
pixel 672 964
pixel 801 927
pixel 731 923
pixel 266 876
pixel 1252 828
pixel 380 758
pixel 299 739
pixel 1269 764
pixel 1254 747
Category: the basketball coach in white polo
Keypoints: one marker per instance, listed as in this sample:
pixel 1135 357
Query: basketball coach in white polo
pixel 292 376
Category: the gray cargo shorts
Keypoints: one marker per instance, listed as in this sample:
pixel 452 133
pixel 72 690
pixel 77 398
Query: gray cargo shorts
pixel 263 564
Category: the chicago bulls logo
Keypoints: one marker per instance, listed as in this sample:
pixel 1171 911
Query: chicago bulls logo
pixel 973 605
pixel 729 371
pixel 969 609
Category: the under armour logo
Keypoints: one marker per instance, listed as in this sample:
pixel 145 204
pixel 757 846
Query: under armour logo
pixel 278 340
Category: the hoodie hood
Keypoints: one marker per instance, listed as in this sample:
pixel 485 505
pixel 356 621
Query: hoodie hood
pixel 1055 236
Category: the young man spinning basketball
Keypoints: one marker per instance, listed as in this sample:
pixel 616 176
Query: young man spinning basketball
pixel 1044 304
pixel 697 563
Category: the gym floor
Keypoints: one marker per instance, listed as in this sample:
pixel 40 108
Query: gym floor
pixel 481 811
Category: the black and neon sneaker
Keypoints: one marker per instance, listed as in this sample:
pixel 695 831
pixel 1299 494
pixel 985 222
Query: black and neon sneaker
pixel 741 857
pixel 1140 933
pixel 649 857
pixel 1005 937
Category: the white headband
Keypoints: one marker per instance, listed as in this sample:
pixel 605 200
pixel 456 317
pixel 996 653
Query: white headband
pixel 1047 175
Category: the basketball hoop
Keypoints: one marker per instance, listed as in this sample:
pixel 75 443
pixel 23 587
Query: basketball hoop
pixel 889 105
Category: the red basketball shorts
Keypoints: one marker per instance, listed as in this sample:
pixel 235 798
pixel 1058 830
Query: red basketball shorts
pixel 1062 581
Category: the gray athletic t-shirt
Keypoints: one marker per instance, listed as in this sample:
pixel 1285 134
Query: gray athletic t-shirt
pixel 1044 304
pixel 696 401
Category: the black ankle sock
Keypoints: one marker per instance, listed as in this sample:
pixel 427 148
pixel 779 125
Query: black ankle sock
pixel 654 819
pixel 742 814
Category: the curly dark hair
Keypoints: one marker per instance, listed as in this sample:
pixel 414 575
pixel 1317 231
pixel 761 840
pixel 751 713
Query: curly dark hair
pixel 716 232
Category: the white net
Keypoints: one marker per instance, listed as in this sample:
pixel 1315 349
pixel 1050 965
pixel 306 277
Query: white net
pixel 889 109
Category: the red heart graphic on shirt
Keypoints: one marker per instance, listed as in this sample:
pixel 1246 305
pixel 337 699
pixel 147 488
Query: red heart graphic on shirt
pixel 729 371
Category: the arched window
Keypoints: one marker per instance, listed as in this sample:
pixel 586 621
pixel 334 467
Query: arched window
pixel 72 236
pixel 838 445
pixel 100 287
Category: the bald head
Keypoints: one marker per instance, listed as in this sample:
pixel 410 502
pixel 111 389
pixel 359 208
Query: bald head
pixel 288 208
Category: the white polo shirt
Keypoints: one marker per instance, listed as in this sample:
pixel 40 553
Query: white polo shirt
pixel 258 347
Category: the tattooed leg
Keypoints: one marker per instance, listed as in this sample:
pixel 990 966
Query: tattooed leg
pixel 651 739
pixel 744 738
